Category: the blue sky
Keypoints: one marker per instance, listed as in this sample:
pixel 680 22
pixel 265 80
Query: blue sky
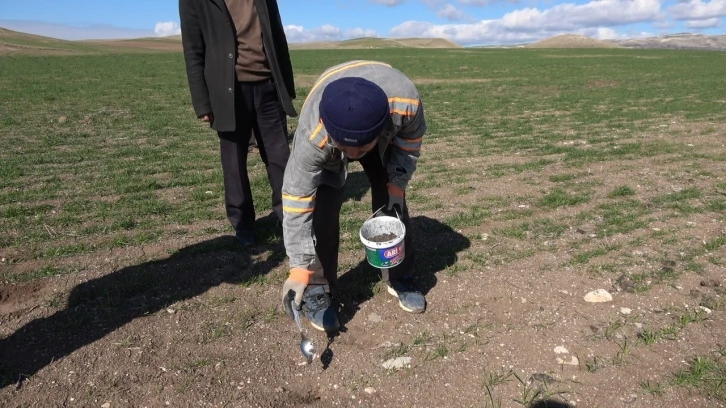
pixel 467 22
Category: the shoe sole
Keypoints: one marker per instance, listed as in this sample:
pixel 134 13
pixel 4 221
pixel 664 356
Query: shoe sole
pixel 316 327
pixel 393 293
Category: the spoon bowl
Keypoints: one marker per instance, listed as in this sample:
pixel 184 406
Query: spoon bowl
pixel 306 346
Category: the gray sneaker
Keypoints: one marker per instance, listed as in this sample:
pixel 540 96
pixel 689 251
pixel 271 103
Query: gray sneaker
pixel 409 297
pixel 318 308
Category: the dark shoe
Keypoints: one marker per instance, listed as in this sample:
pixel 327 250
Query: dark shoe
pixel 409 297
pixel 245 238
pixel 318 308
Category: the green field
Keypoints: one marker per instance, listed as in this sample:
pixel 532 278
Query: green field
pixel 105 151
pixel 603 164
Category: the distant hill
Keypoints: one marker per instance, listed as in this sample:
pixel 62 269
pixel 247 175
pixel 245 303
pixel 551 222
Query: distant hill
pixel 571 41
pixel 371 42
pixel 677 41
pixel 171 43
pixel 18 42
pixel 15 41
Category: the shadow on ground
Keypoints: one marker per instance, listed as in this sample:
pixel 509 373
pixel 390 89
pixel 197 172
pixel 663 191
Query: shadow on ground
pixel 356 186
pixel 98 307
pixel 550 404
pixel 437 246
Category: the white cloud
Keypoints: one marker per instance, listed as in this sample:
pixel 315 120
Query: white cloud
pixel 698 10
pixel 531 24
pixel 451 13
pixel 164 28
pixel 298 34
pixel 700 24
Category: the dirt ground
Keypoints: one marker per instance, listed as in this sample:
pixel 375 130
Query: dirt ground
pixel 197 321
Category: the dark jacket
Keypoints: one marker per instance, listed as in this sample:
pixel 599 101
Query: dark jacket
pixel 210 52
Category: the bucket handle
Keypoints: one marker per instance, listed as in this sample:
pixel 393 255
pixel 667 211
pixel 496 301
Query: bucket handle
pixel 379 210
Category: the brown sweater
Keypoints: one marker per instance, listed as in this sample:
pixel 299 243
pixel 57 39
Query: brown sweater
pixel 251 59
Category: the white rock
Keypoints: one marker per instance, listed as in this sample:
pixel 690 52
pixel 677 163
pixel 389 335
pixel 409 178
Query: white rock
pixel 374 318
pixel 561 350
pixel 106 405
pixel 705 309
pixel 626 311
pixel 370 390
pixel 573 361
pixel 598 296
pixel 397 363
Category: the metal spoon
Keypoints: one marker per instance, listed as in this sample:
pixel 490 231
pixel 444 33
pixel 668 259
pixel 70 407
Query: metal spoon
pixel 306 346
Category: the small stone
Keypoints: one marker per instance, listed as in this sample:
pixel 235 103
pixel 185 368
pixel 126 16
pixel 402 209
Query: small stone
pixel 370 390
pixel 626 311
pixel 208 192
pixel 374 318
pixel 598 296
pixel 574 361
pixel 543 378
pixel 705 309
pixel 397 363
pixel 106 405
pixel 170 311
pixel 561 350
pixel 639 325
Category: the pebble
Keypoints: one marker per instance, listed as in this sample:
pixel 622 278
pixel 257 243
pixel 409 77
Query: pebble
pixel 561 350
pixel 574 361
pixel 370 390
pixel 598 296
pixel 705 309
pixel 626 311
pixel 374 318
pixel 543 378
pixel 106 405
pixel 397 363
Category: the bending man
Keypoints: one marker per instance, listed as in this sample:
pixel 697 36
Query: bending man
pixel 363 111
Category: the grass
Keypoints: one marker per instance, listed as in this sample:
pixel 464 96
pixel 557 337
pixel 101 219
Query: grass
pixel 705 374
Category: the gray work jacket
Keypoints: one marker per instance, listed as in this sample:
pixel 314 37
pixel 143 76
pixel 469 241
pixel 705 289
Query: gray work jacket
pixel 315 161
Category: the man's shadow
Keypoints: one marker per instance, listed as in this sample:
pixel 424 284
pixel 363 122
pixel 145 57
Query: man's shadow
pixel 437 246
pixel 100 306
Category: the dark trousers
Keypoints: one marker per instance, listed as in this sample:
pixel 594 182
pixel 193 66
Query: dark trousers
pixel 326 220
pixel 259 114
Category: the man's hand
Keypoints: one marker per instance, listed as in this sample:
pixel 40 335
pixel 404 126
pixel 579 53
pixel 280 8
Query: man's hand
pixel 207 118
pixel 294 288
pixel 395 200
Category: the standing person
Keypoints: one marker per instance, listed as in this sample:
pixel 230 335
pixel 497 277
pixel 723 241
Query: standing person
pixel 363 111
pixel 241 82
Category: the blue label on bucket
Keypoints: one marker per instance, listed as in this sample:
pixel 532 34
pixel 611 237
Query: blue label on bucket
pixel 391 256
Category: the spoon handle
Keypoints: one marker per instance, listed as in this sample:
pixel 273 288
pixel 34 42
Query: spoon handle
pixel 297 318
